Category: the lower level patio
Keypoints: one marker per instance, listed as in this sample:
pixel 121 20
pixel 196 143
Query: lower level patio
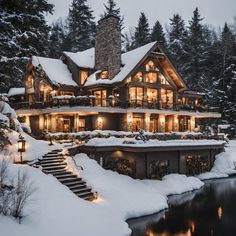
pixel 153 159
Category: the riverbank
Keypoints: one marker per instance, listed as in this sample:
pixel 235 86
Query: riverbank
pixel 57 211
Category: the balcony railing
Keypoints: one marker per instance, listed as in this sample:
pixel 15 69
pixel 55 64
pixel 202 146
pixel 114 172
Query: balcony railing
pixel 94 102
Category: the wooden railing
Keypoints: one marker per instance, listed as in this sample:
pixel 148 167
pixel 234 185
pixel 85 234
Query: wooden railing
pixel 93 102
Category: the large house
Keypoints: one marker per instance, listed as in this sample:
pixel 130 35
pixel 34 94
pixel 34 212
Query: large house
pixel 103 88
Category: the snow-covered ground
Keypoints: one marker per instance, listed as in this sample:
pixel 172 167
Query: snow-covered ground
pixel 55 210
pixel 150 143
pixel 35 149
pixel 225 163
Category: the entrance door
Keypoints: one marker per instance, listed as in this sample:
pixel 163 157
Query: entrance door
pixel 184 123
pixel 137 124
pixel 153 125
pixel 169 124
pixel 66 125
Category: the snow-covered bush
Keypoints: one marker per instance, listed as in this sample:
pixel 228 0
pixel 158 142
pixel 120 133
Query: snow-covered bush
pixel 14 193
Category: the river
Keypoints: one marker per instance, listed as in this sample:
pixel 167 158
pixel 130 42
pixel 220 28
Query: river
pixel 210 210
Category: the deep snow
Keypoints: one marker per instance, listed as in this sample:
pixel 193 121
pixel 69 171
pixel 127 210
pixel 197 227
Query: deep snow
pixel 56 211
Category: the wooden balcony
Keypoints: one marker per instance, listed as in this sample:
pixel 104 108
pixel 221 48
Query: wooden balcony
pixel 110 102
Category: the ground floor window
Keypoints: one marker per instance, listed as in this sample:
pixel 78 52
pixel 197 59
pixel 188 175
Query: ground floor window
pixel 158 169
pixel 81 124
pixel 121 165
pixel 138 123
pixel 197 164
pixel 64 124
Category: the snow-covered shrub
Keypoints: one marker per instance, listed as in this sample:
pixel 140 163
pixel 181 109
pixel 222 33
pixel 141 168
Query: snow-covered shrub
pixel 20 195
pixel 14 194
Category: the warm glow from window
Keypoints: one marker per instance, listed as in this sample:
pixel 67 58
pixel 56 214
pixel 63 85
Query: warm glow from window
pixel 151 77
pixel 151 94
pixel 150 66
pixel 104 74
pixel 29 82
pixel 83 76
pixel 100 96
pixel 138 77
pixel 167 98
pixel 163 79
pixel 128 80
pixel 136 93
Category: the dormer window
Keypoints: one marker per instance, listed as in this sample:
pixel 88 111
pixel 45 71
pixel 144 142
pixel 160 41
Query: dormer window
pixel 150 66
pixel 104 74
pixel 83 76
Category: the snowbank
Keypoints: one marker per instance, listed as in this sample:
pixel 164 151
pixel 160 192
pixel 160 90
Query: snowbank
pixel 126 197
pixel 224 165
pixel 35 149
pixel 56 211
pixel 150 143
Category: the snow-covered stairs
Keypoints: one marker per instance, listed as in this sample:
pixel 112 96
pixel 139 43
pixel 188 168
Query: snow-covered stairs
pixel 54 163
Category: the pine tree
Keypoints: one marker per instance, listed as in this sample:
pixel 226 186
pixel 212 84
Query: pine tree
pixel 177 43
pixel 81 26
pixel 58 40
pixel 158 34
pixel 23 33
pixel 195 52
pixel 142 32
pixel 112 9
pixel 225 85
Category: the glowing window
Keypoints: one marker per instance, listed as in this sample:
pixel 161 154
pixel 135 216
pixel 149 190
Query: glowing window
pixel 83 76
pixel 163 79
pixel 136 93
pixel 151 77
pixel 138 77
pixel 150 66
pixel 29 82
pixel 104 74
pixel 151 94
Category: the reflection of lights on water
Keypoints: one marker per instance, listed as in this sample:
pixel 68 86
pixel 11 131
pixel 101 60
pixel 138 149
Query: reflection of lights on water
pixel 219 212
pixel 192 227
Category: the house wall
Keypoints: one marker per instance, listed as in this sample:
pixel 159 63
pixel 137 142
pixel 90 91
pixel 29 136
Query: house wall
pixel 142 160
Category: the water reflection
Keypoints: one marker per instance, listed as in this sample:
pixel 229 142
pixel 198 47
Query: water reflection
pixel 208 211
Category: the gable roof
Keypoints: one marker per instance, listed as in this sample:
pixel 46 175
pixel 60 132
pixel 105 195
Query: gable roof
pixel 85 59
pixel 55 69
pixel 129 60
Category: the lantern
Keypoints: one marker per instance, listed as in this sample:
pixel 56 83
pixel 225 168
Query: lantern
pixel 21 146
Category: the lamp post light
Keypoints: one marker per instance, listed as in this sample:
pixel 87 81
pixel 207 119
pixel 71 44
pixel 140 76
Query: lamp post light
pixel 21 146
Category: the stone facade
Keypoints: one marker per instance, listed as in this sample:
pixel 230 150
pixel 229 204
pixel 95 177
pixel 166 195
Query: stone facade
pixel 108 46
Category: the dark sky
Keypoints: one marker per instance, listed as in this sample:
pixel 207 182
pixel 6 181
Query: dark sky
pixel 215 12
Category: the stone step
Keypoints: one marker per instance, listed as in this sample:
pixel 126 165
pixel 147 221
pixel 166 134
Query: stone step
pixel 77 186
pixel 52 172
pixel 58 167
pixel 51 161
pixel 52 155
pixel 68 179
pixel 72 184
pixel 85 194
pixel 81 190
pixel 52 158
pixel 64 175
pixel 53 164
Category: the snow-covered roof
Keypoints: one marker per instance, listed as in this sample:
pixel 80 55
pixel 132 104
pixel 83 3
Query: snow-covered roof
pixel 16 91
pixel 84 59
pixel 129 60
pixel 55 69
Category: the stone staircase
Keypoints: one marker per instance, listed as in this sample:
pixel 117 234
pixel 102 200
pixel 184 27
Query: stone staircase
pixel 54 163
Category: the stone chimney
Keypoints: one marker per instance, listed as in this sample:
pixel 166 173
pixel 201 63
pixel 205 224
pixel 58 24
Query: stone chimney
pixel 108 46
